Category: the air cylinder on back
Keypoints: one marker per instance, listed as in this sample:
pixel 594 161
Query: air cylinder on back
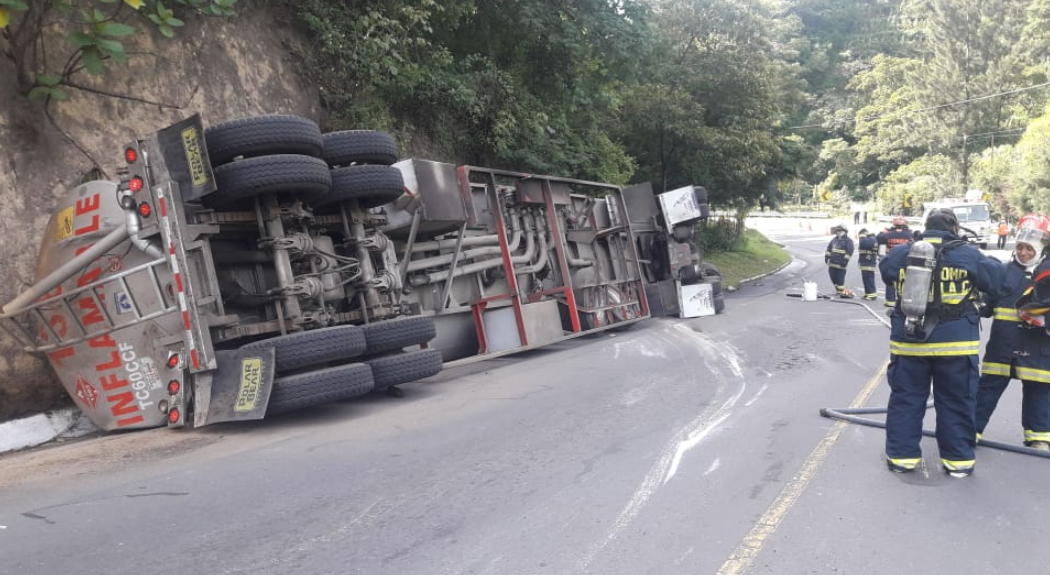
pixel 922 259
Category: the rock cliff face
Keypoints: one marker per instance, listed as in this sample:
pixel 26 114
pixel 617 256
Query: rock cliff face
pixel 223 69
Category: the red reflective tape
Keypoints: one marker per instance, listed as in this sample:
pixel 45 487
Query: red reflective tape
pixel 194 359
pixel 1042 276
pixel 186 320
pixel 171 249
pixel 178 282
pixel 163 208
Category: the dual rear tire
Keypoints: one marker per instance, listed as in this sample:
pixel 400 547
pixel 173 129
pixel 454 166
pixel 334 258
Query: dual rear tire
pixel 290 157
pixel 330 364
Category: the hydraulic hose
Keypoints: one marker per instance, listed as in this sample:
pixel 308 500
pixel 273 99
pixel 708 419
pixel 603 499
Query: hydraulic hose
pixel 851 414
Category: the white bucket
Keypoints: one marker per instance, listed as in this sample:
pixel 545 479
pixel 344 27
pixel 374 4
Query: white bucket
pixel 809 291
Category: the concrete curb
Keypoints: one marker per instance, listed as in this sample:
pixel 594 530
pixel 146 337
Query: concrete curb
pixel 769 273
pixel 43 428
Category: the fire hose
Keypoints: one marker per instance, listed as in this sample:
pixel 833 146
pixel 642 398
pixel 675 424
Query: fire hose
pixel 851 414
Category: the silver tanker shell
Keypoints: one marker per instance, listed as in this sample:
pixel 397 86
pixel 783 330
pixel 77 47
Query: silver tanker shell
pixel 114 377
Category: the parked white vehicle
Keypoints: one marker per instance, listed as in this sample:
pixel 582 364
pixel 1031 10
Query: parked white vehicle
pixel 973 212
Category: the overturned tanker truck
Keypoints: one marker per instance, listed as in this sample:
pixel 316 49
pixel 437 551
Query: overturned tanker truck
pixel 260 266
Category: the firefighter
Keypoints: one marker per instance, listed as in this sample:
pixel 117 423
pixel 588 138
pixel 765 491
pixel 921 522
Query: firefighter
pixel 840 250
pixel 1018 349
pixel 892 237
pixel 941 347
pixel 867 250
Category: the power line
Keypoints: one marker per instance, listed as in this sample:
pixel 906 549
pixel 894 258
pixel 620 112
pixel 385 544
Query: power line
pixel 1014 131
pixel 930 108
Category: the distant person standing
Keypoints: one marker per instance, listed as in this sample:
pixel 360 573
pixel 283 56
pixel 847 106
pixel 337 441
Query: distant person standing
pixel 1004 230
pixel 892 237
pixel 867 252
pixel 840 250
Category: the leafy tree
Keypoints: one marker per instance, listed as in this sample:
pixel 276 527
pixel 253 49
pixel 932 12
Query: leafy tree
pixel 1033 156
pixel 925 179
pixel 94 30
pixel 689 121
pixel 995 170
pixel 522 85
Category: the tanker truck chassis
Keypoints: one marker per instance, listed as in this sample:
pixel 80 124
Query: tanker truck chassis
pixel 261 266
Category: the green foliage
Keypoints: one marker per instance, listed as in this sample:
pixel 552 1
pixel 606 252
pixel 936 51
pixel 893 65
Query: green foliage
pixel 522 85
pixel 721 234
pixel 690 120
pixel 918 118
pixel 752 256
pixel 1032 190
pixel 94 33
pixel 927 178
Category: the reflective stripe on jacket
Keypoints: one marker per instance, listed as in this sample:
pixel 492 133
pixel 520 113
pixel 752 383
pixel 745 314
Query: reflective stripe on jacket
pixel 867 253
pixel 839 251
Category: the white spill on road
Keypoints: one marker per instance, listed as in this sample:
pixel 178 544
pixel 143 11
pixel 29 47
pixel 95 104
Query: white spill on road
pixel 714 466
pixel 718 357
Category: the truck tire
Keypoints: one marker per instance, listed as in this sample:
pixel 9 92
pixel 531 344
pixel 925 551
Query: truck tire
pixel 359 147
pixel 711 274
pixel 397 334
pixel 371 185
pixel 301 390
pixel 682 233
pixel 263 136
pixel 720 303
pixel 688 275
pixel 304 176
pixel 305 348
pixel 404 367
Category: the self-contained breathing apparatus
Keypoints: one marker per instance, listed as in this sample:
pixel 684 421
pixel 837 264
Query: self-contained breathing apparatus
pixel 920 297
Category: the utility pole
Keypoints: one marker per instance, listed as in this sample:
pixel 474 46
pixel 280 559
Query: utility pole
pixel 965 165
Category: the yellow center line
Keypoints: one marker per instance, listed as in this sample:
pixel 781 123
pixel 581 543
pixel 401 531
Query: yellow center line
pixel 744 555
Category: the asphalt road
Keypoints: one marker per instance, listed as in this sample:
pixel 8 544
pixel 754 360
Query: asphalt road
pixel 671 447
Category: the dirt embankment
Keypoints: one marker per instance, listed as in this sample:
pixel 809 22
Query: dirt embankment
pixel 223 69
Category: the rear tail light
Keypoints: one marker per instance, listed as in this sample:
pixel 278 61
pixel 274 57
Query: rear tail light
pixel 135 184
pixel 144 210
pixel 173 361
pixel 131 155
pixel 173 415
pixel 174 387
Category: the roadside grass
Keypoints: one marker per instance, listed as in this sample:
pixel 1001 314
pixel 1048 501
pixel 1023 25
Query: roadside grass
pixel 754 256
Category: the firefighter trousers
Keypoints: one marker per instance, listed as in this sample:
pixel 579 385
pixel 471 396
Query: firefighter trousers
pixel 955 381
pixel 1035 405
pixel 838 277
pixel 869 281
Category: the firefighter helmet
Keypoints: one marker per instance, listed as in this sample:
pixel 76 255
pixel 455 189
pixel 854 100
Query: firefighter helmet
pixel 943 219
pixel 1034 231
pixel 900 221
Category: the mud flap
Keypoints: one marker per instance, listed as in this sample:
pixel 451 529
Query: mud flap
pixel 663 298
pixel 239 390
pixel 185 156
